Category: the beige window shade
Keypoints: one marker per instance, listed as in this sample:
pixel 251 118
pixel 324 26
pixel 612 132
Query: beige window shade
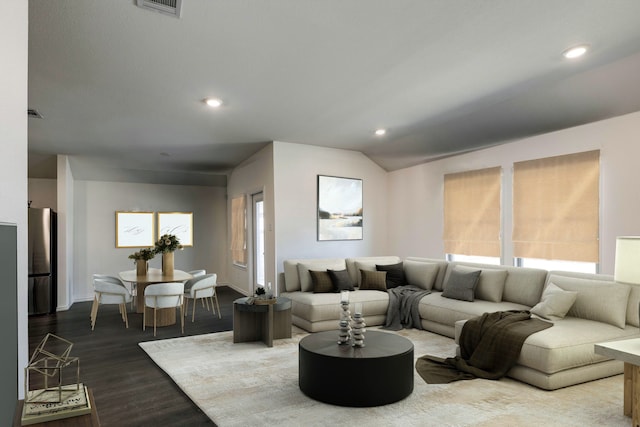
pixel 238 230
pixel 556 207
pixel 472 212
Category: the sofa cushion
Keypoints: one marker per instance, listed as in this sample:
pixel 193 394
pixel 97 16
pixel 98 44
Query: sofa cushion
pixel 442 269
pixel 326 307
pixel 599 300
pixel 522 286
pixel 364 265
pixel 633 307
pixel 569 344
pixel 421 274
pixel 445 311
pixel 317 265
pixel 367 263
pixel 373 280
pixel 555 303
pixel 341 280
pixel 321 281
pixel 461 285
pixel 395 274
pixel 491 283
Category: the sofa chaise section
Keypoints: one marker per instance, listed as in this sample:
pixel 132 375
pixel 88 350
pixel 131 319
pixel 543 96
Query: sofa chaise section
pixel 316 312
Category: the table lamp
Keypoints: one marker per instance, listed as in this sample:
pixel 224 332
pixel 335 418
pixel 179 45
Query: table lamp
pixel 627 269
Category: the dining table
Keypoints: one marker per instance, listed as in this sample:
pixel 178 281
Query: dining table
pixel 165 316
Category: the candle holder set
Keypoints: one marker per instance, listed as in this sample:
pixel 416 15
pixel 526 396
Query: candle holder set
pixel 358 326
pixel 351 326
pixel 345 319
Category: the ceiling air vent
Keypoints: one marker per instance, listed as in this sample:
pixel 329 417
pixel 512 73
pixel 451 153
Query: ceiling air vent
pixel 32 113
pixel 168 7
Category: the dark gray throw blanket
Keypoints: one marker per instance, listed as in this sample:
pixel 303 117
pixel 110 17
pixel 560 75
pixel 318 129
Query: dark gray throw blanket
pixel 403 307
pixel 489 346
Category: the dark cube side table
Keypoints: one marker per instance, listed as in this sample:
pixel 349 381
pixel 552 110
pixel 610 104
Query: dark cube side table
pixel 267 322
pixel 377 374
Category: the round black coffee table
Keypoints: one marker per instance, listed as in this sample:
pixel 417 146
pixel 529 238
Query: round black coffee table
pixel 374 375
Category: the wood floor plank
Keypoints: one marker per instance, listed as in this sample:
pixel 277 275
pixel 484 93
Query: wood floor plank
pixel 129 389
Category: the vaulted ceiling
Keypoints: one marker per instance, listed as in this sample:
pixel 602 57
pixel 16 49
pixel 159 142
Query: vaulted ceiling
pixel 121 88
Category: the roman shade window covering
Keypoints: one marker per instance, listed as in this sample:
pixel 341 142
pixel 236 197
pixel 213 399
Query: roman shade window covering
pixel 556 207
pixel 472 212
pixel 239 230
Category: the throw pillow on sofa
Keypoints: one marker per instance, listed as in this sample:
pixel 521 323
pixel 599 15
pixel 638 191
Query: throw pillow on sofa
pixel 373 280
pixel 305 276
pixel 395 274
pixel 364 265
pixel 341 280
pixel 461 285
pixel 490 284
pixel 321 282
pixel 555 303
pixel 421 274
pixel 599 300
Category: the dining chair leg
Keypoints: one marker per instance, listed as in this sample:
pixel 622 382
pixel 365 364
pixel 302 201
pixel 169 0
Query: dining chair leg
pixel 95 316
pixel 182 316
pixel 218 305
pixel 186 306
pixel 213 309
pixel 126 319
pixel 154 321
pixel 93 307
pixel 144 317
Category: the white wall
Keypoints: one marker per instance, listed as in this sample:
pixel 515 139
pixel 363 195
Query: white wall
pixel 252 176
pixel 66 232
pixel 417 229
pixel 296 169
pixel 95 204
pixel 13 185
pixel 43 193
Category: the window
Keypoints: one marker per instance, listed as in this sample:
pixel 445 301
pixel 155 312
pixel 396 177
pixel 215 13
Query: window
pixel 556 211
pixel 472 215
pixel 239 231
pixel 472 258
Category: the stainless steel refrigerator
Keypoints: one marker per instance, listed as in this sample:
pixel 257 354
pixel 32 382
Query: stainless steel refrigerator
pixel 43 261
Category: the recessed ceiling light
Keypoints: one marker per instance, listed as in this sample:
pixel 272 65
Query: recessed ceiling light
pixel 213 102
pixel 576 51
pixel 380 132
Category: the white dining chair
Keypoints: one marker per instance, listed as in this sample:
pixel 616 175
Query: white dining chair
pixel 116 280
pixel 163 295
pixel 197 273
pixel 109 293
pixel 201 288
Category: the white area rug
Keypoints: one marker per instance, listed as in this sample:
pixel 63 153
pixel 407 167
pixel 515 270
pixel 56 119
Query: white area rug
pixel 250 384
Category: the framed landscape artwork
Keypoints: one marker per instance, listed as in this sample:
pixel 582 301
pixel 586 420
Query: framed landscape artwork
pixel 339 208
pixel 179 224
pixel 134 229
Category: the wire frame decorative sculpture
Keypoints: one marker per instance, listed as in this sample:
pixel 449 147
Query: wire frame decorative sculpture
pixel 49 359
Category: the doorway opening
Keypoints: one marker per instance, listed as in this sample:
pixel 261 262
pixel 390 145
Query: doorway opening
pixel 258 240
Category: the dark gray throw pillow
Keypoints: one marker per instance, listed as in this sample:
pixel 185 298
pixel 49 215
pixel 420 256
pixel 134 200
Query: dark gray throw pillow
pixel 461 286
pixel 395 274
pixel 341 280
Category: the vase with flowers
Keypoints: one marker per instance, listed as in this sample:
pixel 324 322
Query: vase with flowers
pixel 166 245
pixel 141 260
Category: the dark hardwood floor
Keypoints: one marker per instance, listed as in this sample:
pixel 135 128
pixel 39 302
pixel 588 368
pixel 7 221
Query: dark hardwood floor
pixel 129 389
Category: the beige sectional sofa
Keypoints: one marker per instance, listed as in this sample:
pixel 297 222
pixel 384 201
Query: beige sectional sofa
pixel 557 357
